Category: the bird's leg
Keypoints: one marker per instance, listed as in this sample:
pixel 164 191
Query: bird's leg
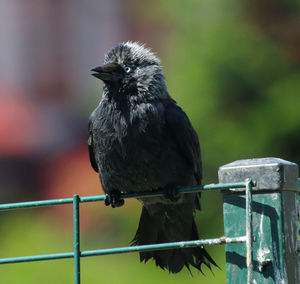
pixel 171 192
pixel 113 198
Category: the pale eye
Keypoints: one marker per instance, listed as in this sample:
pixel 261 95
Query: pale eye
pixel 127 69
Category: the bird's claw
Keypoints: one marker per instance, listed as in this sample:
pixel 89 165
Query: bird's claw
pixel 172 193
pixel 114 199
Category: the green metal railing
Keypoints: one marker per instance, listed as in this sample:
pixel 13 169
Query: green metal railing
pixel 77 253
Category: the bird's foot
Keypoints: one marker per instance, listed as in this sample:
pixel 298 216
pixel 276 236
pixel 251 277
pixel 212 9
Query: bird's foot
pixel 114 199
pixel 171 192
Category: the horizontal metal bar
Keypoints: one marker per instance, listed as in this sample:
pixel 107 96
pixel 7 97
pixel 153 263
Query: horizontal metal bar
pixel 39 203
pixel 163 246
pixel 42 203
pixel 36 257
pixel 190 189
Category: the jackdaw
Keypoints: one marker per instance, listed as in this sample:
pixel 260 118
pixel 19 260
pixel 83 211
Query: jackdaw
pixel 141 140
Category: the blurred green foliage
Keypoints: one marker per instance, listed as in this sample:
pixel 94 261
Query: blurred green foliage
pixel 238 80
pixel 234 68
pixel 239 87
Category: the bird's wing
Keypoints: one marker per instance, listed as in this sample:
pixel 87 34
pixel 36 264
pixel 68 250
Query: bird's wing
pixel 91 145
pixel 185 136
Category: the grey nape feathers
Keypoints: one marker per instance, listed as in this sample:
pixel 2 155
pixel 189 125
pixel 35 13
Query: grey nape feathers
pixel 141 140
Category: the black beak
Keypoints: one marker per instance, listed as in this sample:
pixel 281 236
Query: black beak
pixel 109 72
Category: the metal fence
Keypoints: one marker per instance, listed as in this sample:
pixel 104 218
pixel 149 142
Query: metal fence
pixel 234 190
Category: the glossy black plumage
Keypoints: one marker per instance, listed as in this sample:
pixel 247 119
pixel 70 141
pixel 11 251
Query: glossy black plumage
pixel 141 140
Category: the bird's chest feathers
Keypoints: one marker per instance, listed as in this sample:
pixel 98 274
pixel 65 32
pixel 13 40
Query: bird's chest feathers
pixel 127 129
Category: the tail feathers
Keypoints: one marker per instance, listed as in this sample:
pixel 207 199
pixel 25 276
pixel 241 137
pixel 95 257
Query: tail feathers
pixel 152 230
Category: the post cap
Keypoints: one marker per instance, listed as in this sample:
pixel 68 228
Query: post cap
pixel 269 173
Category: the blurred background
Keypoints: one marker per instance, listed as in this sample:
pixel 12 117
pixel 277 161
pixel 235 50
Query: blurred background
pixel 234 67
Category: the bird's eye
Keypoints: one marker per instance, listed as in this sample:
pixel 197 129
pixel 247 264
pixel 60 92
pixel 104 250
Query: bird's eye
pixel 127 69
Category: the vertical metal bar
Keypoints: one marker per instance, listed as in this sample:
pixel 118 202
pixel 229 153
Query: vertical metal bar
pixel 76 238
pixel 249 237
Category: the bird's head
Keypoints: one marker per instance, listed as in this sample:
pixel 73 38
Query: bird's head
pixel 132 69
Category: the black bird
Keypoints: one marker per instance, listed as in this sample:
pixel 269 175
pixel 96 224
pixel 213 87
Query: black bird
pixel 141 140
